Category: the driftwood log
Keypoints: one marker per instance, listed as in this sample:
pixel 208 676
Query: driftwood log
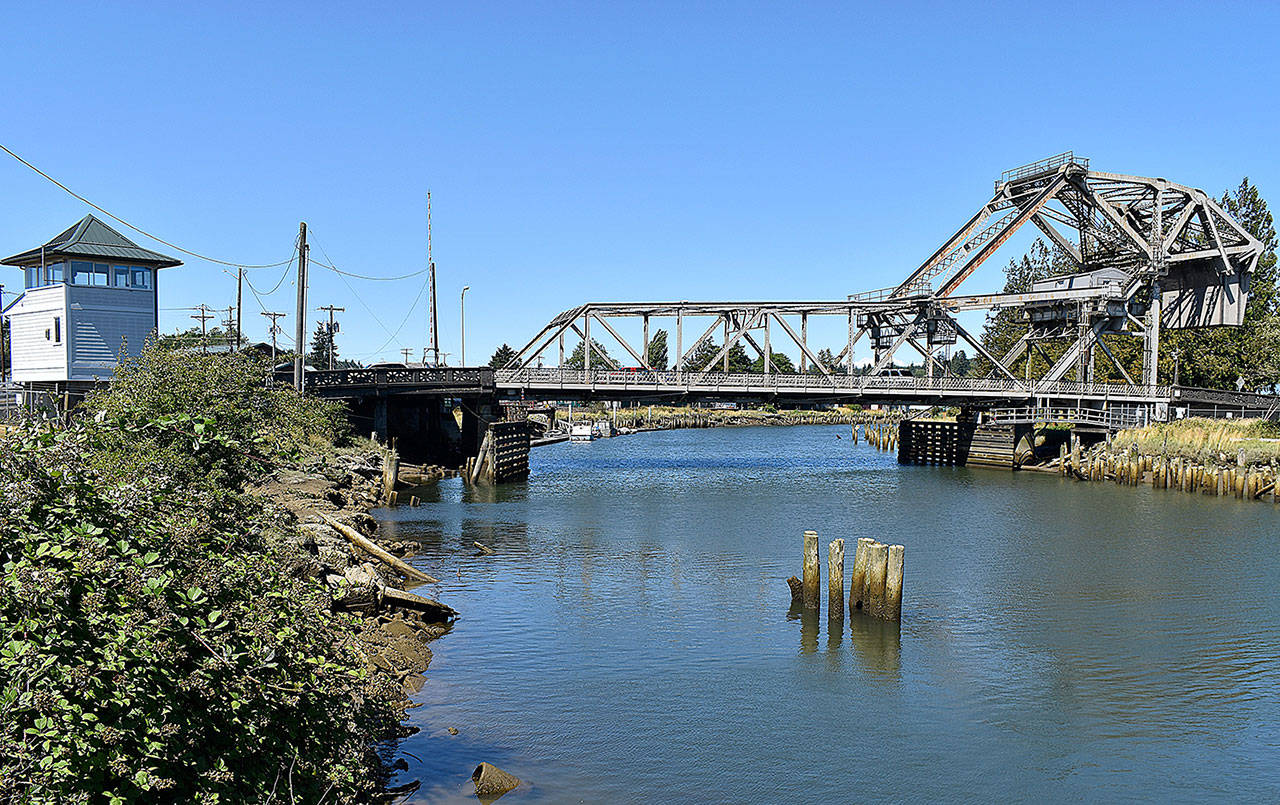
pixel 431 610
pixel 797 589
pixel 373 549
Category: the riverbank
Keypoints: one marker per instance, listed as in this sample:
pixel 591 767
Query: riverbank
pixel 1221 458
pixel 191 609
pixel 665 417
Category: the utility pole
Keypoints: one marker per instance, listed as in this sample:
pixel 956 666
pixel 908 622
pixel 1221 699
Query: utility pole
pixel 301 330
pixel 231 322
pixel 333 327
pixel 275 331
pixel 433 324
pixel 204 315
pixel 239 306
pixel 405 352
pixel 463 322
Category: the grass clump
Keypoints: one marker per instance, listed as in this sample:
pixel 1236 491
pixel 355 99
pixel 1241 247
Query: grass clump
pixel 153 646
pixel 1214 441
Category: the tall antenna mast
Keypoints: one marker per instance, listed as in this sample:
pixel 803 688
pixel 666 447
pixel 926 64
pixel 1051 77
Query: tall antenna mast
pixel 433 324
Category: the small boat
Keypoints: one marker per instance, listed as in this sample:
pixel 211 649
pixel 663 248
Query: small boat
pixel 582 433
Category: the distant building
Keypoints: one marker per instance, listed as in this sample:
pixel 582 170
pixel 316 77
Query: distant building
pixel 89 296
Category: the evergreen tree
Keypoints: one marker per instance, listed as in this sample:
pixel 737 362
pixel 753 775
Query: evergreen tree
pixel 599 357
pixel 657 356
pixel 1005 326
pixel 1214 357
pixel 960 363
pixel 323 348
pixel 779 361
pixel 502 356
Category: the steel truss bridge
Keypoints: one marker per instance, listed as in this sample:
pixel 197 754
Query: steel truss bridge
pixel 1146 253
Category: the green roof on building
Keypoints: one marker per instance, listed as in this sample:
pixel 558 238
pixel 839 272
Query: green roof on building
pixel 90 238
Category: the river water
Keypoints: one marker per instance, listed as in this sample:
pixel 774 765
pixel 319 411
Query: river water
pixel 630 640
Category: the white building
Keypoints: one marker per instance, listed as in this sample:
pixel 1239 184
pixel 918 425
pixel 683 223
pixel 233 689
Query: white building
pixel 89 297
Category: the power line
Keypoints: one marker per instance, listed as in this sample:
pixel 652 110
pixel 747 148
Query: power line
pixel 139 230
pixel 366 277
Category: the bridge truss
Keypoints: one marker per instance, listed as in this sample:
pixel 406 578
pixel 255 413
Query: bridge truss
pixel 1146 253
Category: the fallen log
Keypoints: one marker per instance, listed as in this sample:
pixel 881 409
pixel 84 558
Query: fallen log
pixel 483 548
pixel 434 610
pixel 368 546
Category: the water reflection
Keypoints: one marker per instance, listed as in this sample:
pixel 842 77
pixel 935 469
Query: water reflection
pixel 877 645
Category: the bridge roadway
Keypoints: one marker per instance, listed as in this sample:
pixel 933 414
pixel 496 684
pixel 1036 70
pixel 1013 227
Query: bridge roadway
pixel 628 385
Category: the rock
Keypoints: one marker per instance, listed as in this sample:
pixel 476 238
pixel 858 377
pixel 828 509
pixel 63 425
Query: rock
pixel 492 781
pixel 453 730
pixel 398 628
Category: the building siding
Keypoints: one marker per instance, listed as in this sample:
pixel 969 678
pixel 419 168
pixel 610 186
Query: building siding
pixel 107 322
pixel 37 357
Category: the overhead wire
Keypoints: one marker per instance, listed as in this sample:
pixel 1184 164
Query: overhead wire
pixel 367 277
pixel 139 230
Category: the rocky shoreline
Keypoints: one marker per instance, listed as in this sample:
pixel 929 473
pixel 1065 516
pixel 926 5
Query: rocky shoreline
pixel 396 624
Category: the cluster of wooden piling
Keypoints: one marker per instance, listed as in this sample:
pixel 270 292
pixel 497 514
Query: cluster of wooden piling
pixel 1131 468
pixel 880 435
pixel 875 586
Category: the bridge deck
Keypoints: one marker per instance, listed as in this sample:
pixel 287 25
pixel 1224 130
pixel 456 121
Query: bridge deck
pixel 605 384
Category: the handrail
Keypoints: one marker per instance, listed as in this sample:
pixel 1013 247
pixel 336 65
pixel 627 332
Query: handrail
pixel 711 382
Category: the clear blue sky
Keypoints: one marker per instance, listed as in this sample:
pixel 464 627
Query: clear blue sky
pixel 600 151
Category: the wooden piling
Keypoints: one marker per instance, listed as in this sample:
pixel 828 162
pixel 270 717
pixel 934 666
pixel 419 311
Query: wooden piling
pixel 835 578
pixel 810 576
pixel 858 577
pixel 877 570
pixel 893 584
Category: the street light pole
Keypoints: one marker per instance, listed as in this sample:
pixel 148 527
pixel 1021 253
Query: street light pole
pixel 463 321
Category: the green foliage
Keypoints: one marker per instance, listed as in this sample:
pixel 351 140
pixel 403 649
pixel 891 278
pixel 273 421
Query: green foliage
pixel 657 355
pixel 960 364
pixel 153 645
pixel 599 357
pixel 502 356
pixel 1005 326
pixel 780 363
pixel 1215 357
pixel 193 338
pixel 178 397
pixel 739 363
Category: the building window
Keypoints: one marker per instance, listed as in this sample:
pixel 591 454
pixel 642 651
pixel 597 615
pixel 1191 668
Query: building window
pixel 120 276
pixel 101 273
pixel 53 273
pixel 141 277
pixel 33 279
pixel 57 329
pixel 81 272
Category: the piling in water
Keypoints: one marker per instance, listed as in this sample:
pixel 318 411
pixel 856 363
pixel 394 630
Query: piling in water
pixel 893 584
pixel 858 577
pixel 810 577
pixel 835 578
pixel 877 569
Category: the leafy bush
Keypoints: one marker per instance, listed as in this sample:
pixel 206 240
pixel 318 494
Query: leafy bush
pixel 152 646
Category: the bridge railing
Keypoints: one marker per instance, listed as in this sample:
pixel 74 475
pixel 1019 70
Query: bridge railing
pixel 1112 419
pixel 713 382
pixel 447 376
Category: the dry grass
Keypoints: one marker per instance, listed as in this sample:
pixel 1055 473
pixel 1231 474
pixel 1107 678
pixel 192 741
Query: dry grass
pixel 1213 441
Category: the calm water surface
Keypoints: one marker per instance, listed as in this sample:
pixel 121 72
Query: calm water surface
pixel 630 640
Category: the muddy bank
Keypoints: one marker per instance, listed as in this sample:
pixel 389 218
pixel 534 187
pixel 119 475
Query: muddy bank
pixel 319 497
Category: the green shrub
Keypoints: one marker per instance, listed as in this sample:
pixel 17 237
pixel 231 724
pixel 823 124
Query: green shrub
pixel 153 646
